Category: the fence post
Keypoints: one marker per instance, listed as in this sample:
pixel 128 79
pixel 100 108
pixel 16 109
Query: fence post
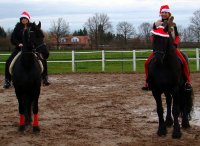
pixel 73 61
pixel 103 61
pixel 197 58
pixel 134 61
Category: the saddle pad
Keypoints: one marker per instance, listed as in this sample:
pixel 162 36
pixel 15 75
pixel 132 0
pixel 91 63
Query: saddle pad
pixel 13 62
pixel 17 56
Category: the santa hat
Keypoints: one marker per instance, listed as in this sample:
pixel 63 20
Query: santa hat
pixel 25 15
pixel 164 8
pixel 160 32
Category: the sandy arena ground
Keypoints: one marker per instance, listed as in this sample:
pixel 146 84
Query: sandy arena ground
pixel 94 110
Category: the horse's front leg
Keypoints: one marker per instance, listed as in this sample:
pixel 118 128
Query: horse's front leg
pixel 185 120
pixel 168 120
pixel 21 112
pixel 176 112
pixel 36 128
pixel 162 130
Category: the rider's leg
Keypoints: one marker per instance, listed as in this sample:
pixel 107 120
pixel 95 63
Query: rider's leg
pixel 185 69
pixel 146 64
pixel 45 54
pixel 7 83
pixel 45 74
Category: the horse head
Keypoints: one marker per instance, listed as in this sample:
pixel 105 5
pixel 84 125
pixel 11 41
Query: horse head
pixel 38 36
pixel 28 42
pixel 162 42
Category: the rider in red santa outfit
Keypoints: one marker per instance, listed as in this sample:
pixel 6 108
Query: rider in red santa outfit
pixel 165 15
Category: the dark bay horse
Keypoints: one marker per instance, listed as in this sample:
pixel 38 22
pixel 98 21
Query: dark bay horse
pixel 27 78
pixel 166 76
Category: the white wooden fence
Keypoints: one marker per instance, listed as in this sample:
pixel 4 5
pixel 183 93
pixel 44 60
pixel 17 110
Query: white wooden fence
pixel 103 57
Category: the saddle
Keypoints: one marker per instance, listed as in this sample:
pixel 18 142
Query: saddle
pixel 17 56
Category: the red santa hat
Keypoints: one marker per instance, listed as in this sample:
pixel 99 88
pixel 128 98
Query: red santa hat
pixel 164 8
pixel 160 32
pixel 25 15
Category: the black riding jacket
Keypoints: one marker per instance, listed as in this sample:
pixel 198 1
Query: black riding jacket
pixel 17 34
pixel 16 39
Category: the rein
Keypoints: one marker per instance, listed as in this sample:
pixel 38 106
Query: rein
pixel 39 46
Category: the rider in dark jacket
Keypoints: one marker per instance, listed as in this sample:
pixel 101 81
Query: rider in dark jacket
pixel 16 40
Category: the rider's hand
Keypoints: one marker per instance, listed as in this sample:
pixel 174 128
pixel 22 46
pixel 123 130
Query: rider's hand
pixel 20 45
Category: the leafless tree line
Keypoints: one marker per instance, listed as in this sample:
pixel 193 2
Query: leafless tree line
pixel 100 30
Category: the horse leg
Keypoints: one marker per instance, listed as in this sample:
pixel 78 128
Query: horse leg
pixel 28 118
pixel 21 112
pixel 168 120
pixel 186 103
pixel 176 112
pixel 162 130
pixel 36 128
pixel 185 120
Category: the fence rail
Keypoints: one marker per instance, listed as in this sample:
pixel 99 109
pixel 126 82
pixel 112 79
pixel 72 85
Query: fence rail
pixel 103 57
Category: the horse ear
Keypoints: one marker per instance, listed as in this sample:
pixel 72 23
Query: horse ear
pixel 39 25
pixel 33 24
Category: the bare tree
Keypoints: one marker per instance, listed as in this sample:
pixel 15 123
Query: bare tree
pixel 195 20
pixel 125 29
pixel 97 26
pixel 59 29
pixel 180 30
pixel 144 31
pixel 188 35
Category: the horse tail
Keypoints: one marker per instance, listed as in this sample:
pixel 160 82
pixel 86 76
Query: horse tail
pixel 187 102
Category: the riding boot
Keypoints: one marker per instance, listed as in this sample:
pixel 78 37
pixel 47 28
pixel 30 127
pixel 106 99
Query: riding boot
pixel 45 81
pixel 146 87
pixel 188 86
pixel 7 82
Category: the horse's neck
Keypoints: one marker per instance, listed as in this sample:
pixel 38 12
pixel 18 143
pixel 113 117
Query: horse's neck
pixel 172 64
pixel 171 53
pixel 27 59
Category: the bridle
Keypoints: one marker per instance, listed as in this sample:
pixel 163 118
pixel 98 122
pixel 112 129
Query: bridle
pixel 39 46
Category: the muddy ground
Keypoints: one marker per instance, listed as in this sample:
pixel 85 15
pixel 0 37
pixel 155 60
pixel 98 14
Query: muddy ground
pixel 94 110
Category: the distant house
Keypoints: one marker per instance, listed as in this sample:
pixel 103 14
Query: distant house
pixel 72 41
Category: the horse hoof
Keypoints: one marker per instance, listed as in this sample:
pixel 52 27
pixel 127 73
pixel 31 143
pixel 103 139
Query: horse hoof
pixel 176 133
pixel 162 130
pixel 169 122
pixel 21 128
pixel 185 124
pixel 36 129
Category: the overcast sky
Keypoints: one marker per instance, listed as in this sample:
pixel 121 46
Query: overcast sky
pixel 76 12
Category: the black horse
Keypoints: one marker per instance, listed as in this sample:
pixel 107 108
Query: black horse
pixel 166 76
pixel 27 77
